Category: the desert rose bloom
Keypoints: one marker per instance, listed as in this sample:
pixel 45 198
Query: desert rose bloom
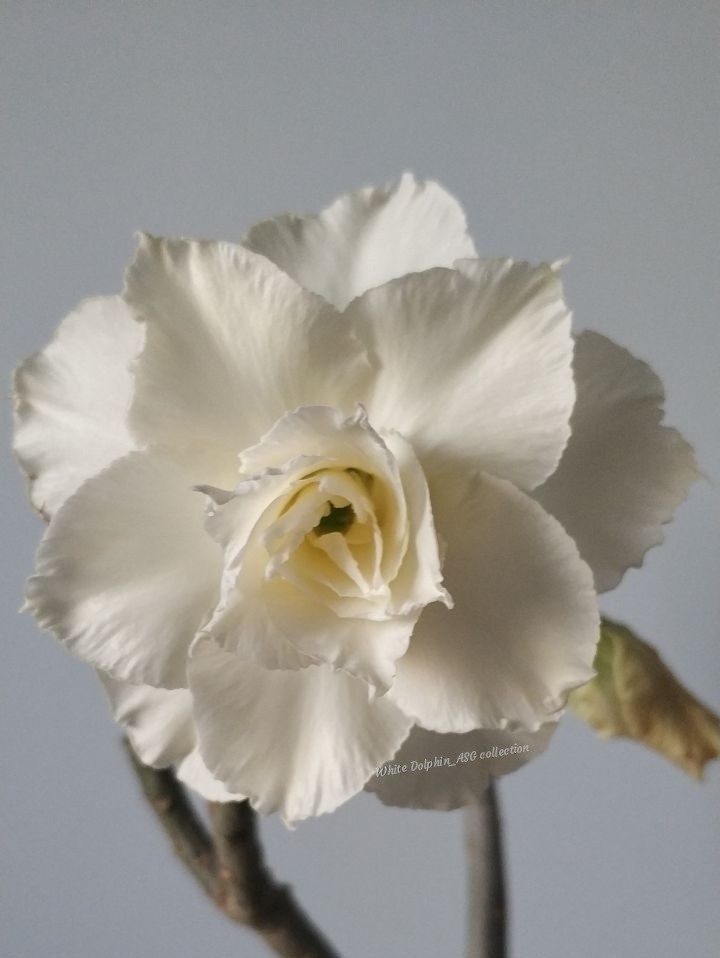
pixel 338 496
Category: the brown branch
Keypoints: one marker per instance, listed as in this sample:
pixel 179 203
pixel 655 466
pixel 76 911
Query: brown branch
pixel 487 908
pixel 188 834
pixel 248 892
pixel 229 865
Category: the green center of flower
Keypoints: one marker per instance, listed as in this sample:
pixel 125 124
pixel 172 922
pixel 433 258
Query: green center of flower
pixel 338 519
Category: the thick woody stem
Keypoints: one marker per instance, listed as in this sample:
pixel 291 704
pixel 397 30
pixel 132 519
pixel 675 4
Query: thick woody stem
pixel 487 910
pixel 186 831
pixel 229 865
pixel 248 892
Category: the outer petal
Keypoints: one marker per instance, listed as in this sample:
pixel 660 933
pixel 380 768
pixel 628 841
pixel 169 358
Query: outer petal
pixel 158 722
pixel 71 400
pixel 301 742
pixel 623 473
pixel 524 627
pixel 196 775
pixel 366 238
pixel 126 573
pixel 444 772
pixel 232 344
pixel 474 367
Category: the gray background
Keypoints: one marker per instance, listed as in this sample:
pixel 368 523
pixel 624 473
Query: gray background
pixel 588 129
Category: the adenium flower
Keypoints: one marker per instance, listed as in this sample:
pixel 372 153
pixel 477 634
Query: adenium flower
pixel 336 496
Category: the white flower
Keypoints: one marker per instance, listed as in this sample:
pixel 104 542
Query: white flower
pixel 305 503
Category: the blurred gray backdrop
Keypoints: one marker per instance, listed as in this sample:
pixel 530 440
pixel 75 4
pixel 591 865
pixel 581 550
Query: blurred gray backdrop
pixel 584 129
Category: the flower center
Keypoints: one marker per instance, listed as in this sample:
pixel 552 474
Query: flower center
pixel 336 519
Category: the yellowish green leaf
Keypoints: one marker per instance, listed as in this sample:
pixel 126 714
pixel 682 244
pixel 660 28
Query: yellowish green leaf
pixel 635 695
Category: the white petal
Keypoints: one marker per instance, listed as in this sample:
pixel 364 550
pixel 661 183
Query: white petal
pixel 194 773
pixel 419 580
pixel 444 772
pixel 623 473
pixel 366 238
pixel 126 573
pixel 475 367
pixel 232 344
pixel 297 742
pixel 158 722
pixel 525 624
pixel 71 400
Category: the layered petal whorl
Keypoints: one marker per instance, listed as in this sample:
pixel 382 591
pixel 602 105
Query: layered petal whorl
pixel 330 548
pixel 307 516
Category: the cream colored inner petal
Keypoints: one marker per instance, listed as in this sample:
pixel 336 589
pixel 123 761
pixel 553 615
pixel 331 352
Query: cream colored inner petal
pixel 340 536
pixel 337 550
pixel 329 546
